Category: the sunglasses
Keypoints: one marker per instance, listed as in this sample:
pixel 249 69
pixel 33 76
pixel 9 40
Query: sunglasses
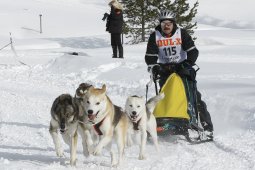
pixel 166 23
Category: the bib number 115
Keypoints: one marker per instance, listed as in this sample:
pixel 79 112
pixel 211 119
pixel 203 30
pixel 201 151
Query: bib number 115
pixel 170 51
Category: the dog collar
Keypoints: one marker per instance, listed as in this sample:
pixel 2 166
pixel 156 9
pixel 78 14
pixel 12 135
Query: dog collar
pixel 136 124
pixel 97 126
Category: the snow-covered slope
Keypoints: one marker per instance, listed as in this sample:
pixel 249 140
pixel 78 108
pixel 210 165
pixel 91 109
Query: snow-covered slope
pixel 226 80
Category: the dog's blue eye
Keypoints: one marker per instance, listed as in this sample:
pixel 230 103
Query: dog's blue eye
pixel 131 105
pixel 97 103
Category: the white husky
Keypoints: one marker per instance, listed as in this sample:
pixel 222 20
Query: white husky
pixel 108 120
pixel 142 120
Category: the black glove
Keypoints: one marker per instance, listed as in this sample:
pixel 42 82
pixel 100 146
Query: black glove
pixel 149 68
pixel 105 16
pixel 155 69
pixel 186 70
pixel 187 63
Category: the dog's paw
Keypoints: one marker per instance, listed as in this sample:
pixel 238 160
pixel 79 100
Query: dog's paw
pixel 129 143
pixel 114 161
pixel 73 162
pixel 142 157
pixel 97 151
pixel 115 165
pixel 60 152
pixel 86 153
pixel 90 149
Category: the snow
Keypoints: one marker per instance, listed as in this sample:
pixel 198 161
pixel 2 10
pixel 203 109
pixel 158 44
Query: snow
pixel 225 38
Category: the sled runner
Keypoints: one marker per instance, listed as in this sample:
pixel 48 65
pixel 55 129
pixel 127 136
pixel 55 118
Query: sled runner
pixel 172 115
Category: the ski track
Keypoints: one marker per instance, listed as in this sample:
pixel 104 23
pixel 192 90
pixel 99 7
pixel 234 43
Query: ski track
pixel 95 72
pixel 237 153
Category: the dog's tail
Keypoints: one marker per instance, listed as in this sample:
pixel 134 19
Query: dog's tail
pixel 151 104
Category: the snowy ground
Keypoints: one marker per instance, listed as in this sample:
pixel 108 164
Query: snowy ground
pixel 226 80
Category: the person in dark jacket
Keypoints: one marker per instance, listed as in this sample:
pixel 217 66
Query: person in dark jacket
pixel 114 26
pixel 171 49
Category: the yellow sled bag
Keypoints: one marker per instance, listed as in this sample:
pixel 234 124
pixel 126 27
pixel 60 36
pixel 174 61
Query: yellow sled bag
pixel 174 104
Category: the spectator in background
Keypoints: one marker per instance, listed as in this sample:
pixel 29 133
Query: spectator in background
pixel 114 26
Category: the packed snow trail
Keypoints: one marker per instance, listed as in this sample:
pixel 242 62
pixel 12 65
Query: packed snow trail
pixel 226 80
pixel 27 95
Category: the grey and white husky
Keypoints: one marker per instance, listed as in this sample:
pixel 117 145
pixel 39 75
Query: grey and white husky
pixel 66 113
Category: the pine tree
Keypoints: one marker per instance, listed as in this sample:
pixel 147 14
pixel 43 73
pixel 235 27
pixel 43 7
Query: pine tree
pixel 138 15
pixel 141 16
pixel 184 15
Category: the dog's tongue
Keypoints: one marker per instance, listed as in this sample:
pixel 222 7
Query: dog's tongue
pixel 91 117
pixel 133 118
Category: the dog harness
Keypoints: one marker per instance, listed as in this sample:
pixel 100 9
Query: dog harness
pixel 136 124
pixel 118 114
pixel 97 127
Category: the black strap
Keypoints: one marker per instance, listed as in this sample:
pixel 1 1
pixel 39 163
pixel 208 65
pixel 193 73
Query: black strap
pixel 97 126
pixel 147 89
pixel 136 124
pixel 184 71
pixel 156 86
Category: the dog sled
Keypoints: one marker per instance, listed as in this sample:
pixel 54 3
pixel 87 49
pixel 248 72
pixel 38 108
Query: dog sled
pixel 172 115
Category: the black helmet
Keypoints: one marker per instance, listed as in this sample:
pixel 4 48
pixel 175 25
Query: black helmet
pixel 166 15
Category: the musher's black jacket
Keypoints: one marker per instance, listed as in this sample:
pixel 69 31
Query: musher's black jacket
pixel 188 45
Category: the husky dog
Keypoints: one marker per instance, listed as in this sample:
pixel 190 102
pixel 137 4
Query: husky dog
pixel 65 116
pixel 83 120
pixel 142 120
pixel 81 90
pixel 108 120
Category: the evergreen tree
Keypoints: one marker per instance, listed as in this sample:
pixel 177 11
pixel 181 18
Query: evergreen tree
pixel 138 16
pixel 141 16
pixel 184 15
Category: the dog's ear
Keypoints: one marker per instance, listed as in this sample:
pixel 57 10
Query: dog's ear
pixel 82 92
pixel 54 105
pixel 90 88
pixel 143 98
pixel 62 97
pixel 128 99
pixel 84 86
pixel 104 88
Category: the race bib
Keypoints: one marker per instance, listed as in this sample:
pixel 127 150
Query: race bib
pixel 170 49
